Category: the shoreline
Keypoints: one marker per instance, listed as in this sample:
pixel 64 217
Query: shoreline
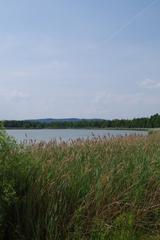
pixel 120 129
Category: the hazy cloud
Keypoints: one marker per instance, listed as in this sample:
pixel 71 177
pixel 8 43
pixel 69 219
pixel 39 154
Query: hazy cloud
pixel 125 104
pixel 150 84
pixel 13 95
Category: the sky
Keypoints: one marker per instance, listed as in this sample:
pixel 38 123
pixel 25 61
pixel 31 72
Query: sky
pixel 79 58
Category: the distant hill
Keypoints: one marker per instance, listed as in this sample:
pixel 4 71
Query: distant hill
pixel 51 120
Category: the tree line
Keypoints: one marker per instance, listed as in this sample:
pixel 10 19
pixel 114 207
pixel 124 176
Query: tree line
pixel 146 122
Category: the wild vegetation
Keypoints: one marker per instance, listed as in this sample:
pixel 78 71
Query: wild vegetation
pixel 151 122
pixel 82 190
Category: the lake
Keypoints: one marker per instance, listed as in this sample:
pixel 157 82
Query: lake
pixel 67 134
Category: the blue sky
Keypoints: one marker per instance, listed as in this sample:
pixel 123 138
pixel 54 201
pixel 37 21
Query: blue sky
pixel 79 58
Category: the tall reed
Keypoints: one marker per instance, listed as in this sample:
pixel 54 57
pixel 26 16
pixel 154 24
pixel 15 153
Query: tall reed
pixel 85 189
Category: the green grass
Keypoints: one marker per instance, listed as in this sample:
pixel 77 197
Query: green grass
pixel 95 189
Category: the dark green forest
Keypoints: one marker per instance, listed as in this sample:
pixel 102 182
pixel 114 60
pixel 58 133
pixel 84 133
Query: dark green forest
pixel 150 122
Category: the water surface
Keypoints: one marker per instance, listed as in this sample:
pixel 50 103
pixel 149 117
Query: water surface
pixel 67 134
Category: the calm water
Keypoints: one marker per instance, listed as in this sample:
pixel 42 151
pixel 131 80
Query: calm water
pixel 67 134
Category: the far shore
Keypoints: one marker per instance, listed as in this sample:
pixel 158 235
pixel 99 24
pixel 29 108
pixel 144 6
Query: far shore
pixel 123 129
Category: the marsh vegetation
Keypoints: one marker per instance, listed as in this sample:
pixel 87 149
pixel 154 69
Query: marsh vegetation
pixel 87 189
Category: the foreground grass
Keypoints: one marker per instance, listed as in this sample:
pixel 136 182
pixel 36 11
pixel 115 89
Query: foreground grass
pixel 95 189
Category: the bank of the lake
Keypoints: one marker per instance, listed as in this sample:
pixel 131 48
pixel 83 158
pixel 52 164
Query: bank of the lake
pixel 94 189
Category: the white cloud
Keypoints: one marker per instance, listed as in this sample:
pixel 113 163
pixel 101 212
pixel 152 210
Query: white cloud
pixel 21 73
pixel 13 95
pixel 150 84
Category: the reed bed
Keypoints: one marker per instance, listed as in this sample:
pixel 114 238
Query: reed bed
pixel 85 189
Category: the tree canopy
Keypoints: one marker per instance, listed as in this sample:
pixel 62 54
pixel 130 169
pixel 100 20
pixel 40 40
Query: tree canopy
pixel 150 122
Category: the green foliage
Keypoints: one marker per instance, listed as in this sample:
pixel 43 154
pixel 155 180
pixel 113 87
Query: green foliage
pixel 152 122
pixel 14 179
